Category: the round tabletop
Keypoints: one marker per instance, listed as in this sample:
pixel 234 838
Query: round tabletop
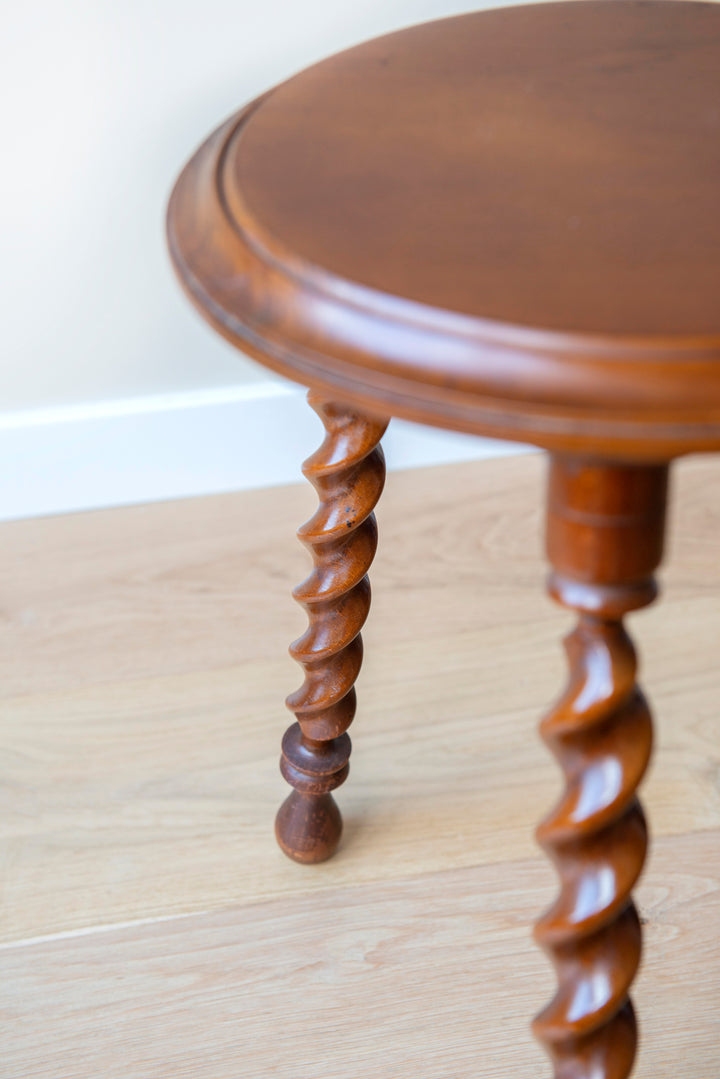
pixel 505 222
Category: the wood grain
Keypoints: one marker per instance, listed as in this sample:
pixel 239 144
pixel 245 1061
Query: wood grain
pixel 604 537
pixel 348 474
pixel 505 222
pixel 431 976
pixel 142 671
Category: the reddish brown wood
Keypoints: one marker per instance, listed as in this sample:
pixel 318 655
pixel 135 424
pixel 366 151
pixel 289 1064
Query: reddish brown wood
pixel 506 222
pixel 605 538
pixel 348 473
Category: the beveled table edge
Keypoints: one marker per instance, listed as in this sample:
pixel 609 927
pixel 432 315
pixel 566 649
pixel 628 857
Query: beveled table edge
pixel 392 356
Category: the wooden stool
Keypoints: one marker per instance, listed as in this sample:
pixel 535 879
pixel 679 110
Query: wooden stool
pixel 505 223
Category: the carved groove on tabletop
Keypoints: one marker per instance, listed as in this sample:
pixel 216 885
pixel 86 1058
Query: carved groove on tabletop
pixel 601 733
pixel 348 473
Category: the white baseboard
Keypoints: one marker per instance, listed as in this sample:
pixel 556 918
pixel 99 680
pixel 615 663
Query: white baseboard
pixel 148 449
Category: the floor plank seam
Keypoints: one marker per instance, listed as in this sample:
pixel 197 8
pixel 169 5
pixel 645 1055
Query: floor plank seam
pixel 91 930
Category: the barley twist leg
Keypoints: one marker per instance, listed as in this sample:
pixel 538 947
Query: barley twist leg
pixel 605 534
pixel 348 473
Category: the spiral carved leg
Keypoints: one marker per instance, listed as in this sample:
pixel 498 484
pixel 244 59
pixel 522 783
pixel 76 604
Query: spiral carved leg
pixel 605 535
pixel 348 473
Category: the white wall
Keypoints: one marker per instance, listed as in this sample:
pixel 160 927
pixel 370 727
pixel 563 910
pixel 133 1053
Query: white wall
pixel 101 104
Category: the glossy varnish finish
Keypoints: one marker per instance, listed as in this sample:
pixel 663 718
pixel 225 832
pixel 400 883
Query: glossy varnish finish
pixel 498 164
pixel 142 665
pixel 605 538
pixel 506 223
pixel 348 473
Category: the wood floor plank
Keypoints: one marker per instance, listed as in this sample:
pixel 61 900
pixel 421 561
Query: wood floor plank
pixel 154 794
pixel 433 977
pixel 142 671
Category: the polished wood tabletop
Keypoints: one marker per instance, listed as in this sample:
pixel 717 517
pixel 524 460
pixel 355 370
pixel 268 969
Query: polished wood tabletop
pixel 506 223
pixel 473 220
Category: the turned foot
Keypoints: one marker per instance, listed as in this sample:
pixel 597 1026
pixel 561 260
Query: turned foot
pixel 308 826
pixel 605 534
pixel 348 472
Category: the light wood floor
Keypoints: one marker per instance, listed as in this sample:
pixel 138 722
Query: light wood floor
pixel 151 928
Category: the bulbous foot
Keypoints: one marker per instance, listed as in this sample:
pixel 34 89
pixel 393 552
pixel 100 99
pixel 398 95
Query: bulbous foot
pixel 308 827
